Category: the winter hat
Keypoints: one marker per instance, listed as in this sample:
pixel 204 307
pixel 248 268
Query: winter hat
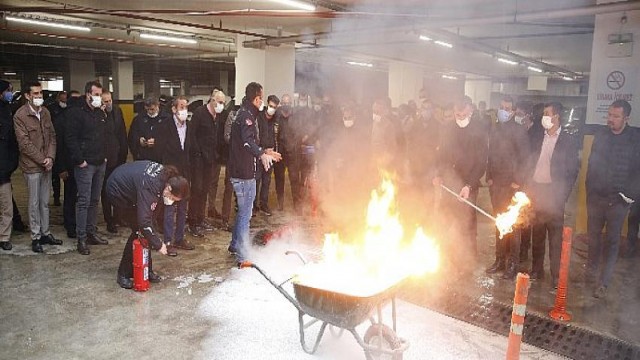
pixel 4 85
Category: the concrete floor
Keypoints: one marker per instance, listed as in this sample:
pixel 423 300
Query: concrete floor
pixel 60 305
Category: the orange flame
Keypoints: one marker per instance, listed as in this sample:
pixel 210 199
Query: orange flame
pixel 507 220
pixel 377 261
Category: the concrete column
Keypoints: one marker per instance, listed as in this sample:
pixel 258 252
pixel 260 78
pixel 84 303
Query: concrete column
pixel 224 82
pixel 274 68
pixel 405 82
pixel 80 72
pixel 615 74
pixel 122 74
pixel 151 85
pixel 478 90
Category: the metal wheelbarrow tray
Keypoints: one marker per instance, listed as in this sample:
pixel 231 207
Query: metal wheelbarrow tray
pixel 344 312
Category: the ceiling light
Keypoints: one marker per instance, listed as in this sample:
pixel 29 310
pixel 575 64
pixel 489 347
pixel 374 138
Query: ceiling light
pixel 449 77
pixel 425 38
pixel 445 44
pixel 568 78
pixel 168 38
pixel 356 63
pixel 534 69
pixel 300 5
pixel 47 23
pixel 507 61
pixel 10 73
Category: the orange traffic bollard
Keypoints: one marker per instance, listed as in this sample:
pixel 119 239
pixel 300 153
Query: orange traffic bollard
pixel 517 316
pixel 559 311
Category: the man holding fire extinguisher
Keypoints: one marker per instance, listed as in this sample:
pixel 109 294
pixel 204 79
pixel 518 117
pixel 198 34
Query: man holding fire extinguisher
pixel 135 189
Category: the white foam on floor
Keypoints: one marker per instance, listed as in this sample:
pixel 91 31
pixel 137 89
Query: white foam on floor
pixel 252 320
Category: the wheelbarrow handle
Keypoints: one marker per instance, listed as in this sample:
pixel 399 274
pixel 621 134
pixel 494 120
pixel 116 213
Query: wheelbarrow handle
pixel 248 264
pixel 298 254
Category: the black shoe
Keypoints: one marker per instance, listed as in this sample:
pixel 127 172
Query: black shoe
pixel 125 282
pixel 6 245
pixel 265 209
pixel 196 231
pixel 93 239
pixel 511 272
pixel 49 239
pixel 600 292
pixel 497 265
pixel 71 234
pixel 35 246
pixel 171 250
pixel 56 202
pixel 112 228
pixel 154 278
pixel 83 248
pixel 206 227
pixel 536 275
pixel 232 251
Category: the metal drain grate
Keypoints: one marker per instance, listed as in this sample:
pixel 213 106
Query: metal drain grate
pixel 567 340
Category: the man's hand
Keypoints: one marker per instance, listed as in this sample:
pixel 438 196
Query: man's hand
pixel 64 175
pixel 163 249
pixel 464 193
pixel 267 160
pixel 276 155
pixel 83 165
pixel 437 181
pixel 143 141
pixel 151 142
pixel 47 163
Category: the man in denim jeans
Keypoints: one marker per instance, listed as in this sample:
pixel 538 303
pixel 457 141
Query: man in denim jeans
pixel 244 151
pixel 86 146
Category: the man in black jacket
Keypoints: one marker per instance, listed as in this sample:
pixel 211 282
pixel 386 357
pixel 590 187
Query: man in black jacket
pixel 613 184
pixel 57 109
pixel 222 152
pixel 462 162
pixel 552 170
pixel 177 137
pixel 285 144
pixel 143 134
pixel 8 163
pixel 116 152
pixel 266 140
pixel 203 158
pixel 508 154
pixel 243 153
pixel 85 141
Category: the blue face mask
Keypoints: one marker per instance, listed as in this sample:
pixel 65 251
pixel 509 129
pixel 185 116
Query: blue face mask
pixel 7 96
pixel 503 115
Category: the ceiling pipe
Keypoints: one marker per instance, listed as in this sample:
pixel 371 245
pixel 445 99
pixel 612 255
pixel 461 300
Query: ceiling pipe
pixel 439 23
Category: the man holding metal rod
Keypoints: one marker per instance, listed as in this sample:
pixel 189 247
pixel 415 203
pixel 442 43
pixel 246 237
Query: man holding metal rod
pixel 461 163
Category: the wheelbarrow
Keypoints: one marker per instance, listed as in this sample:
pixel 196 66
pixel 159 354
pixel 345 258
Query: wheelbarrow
pixel 343 312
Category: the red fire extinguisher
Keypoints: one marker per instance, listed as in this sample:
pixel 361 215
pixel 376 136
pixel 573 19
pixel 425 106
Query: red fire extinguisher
pixel 140 264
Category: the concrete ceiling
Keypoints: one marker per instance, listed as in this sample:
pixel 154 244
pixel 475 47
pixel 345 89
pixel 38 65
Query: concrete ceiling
pixel 373 31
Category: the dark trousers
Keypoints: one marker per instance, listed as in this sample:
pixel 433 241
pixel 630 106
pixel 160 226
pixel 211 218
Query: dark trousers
pixel 509 245
pixel 213 188
pixel 634 225
pixel 601 211
pixel 17 219
pixel 69 203
pixel 55 184
pixel 130 217
pixel 200 182
pixel 289 162
pixel 549 219
pixel 263 182
pixel 228 196
pixel 108 210
pixel 462 227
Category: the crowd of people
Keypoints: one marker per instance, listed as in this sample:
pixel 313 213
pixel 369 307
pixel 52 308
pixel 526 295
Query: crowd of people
pixel 331 152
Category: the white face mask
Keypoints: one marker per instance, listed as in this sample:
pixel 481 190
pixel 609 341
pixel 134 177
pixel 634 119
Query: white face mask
pixel 547 123
pixel 219 108
pixel 303 104
pixel 62 104
pixel 261 108
pixel 96 101
pixel 377 118
pixel 519 119
pixel 182 114
pixel 167 200
pixel 38 102
pixel 503 116
pixel 348 123
pixel 271 111
pixel 463 123
pixel 152 115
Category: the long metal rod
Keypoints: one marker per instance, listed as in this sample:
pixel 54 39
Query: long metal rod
pixel 479 209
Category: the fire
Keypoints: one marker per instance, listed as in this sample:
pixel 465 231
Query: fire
pixel 507 220
pixel 378 260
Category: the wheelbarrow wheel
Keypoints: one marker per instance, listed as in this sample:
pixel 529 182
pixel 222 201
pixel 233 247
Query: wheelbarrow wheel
pixel 380 336
pixel 336 332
